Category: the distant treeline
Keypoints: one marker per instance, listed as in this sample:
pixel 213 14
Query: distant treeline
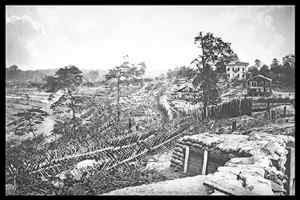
pixel 13 73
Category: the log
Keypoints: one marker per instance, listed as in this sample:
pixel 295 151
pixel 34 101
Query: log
pixel 176 167
pixel 177 162
pixel 223 187
pixel 178 159
pixel 179 150
pixel 178 154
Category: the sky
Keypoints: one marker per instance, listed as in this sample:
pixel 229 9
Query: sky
pixel 98 37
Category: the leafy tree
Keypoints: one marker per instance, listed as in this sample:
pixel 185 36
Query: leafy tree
pixel 288 70
pixel 126 73
pixel 213 50
pixel 276 71
pixel 253 71
pixel 27 121
pixel 66 79
pixel 12 72
pixel 185 72
pixel 13 68
pixel 288 60
pixel 275 64
pixel 257 63
pixel 181 72
pixel 264 70
pixel 221 65
pixel 51 84
pixel 283 74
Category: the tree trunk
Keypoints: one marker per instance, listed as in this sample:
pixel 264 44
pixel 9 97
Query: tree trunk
pixel 205 109
pixel 118 101
pixel 72 104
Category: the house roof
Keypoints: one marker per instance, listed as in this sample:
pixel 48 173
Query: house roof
pixel 261 76
pixel 238 63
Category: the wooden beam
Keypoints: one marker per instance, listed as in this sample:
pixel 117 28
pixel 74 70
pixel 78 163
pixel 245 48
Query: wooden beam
pixel 186 159
pixel 223 187
pixel 292 171
pixel 205 157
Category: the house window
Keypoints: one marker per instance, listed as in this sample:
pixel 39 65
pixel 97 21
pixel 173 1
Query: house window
pixel 238 75
pixel 228 69
pixel 254 84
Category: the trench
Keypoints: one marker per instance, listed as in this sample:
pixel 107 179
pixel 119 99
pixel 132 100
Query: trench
pixel 194 164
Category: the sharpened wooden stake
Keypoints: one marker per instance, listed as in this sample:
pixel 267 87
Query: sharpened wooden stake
pixel 205 156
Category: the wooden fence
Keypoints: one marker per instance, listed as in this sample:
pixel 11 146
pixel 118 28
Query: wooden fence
pixel 265 104
pixel 233 108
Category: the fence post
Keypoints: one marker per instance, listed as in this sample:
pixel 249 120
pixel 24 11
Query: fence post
pixel 186 159
pixel 267 117
pixel 292 171
pixel 273 115
pixel 205 158
pixel 250 107
pixel 234 125
pixel 240 106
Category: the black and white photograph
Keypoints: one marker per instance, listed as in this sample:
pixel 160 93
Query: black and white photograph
pixel 149 100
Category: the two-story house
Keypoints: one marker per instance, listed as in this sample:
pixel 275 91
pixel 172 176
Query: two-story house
pixel 259 85
pixel 236 70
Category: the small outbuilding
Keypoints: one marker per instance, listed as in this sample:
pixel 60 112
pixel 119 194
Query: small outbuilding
pixel 259 85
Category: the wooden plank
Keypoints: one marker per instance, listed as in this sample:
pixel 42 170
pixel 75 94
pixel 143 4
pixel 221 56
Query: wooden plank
pixel 175 162
pixel 292 172
pixel 178 154
pixel 228 189
pixel 179 161
pixel 205 157
pixel 178 158
pixel 186 159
